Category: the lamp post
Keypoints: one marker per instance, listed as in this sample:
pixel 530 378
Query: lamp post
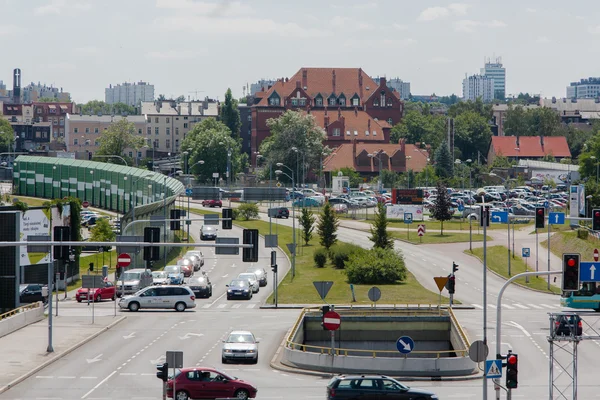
pixel 469 161
pixel 92 179
pixel 518 150
pixel 297 155
pixel 597 166
pixel 408 171
pixel 378 155
pixel 280 172
pixel 200 162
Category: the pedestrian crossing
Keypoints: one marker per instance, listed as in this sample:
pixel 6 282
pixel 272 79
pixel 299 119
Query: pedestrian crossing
pixel 517 306
pixel 229 305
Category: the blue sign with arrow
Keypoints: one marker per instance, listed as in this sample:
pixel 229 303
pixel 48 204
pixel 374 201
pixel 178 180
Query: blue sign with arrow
pixel 587 271
pixel 188 191
pixel 461 208
pixel 405 344
pixel 556 218
pixel 500 217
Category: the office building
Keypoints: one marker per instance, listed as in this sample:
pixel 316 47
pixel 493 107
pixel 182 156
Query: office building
pixel 494 70
pixel 584 89
pixel 478 86
pixel 131 94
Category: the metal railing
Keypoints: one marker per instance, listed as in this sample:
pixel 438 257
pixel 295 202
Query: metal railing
pixel 21 309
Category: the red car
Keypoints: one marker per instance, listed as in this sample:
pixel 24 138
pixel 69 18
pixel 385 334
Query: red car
pixel 212 203
pixel 108 292
pixel 208 383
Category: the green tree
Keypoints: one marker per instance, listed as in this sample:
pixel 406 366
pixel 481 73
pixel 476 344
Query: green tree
pixel 478 106
pixel 119 136
pixel 102 231
pixel 94 107
pixel 376 266
pixel 389 178
pixel 248 211
pixel 419 127
pixel 47 100
pixel 294 130
pixel 501 162
pixel 307 221
pixel 161 97
pixel 210 141
pixel 472 134
pixel 230 114
pixel 327 226
pixel 7 135
pixel 379 234
pixel 442 206
pixel 443 162
pixel 180 99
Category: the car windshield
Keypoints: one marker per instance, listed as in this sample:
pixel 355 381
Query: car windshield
pixel 159 274
pixel 207 229
pixel 131 276
pixel 240 338
pixel 172 269
pixel 256 272
pixel 250 277
pixel 238 283
pixel 197 280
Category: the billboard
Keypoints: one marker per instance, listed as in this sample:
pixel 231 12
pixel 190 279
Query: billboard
pixel 407 196
pixel 398 210
pixel 39 222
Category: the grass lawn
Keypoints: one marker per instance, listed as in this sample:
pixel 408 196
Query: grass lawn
pixel 497 261
pixel 302 291
pixel 435 237
pixel 454 225
pixel 568 242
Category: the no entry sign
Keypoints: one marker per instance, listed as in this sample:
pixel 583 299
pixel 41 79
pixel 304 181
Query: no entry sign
pixel 331 321
pixel 124 260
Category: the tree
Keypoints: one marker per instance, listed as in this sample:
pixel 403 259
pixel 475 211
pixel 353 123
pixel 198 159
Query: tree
pixel 443 162
pixel 47 100
pixel 478 106
pixel 501 162
pixel 230 114
pixel 210 141
pixel 119 136
pixel 389 178
pixel 102 231
pixel 294 129
pixel 180 99
pixel 95 107
pixel 376 266
pixel 161 97
pixel 307 221
pixel 379 233
pixel 327 226
pixel 7 135
pixel 442 206
pixel 419 127
pixel 472 134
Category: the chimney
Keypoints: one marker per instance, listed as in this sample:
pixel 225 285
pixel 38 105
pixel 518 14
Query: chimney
pixel 360 77
pixel 369 125
pixel 542 141
pixel 382 81
pixel 326 121
pixel 517 140
pixel 304 78
pixel 339 113
pixel 333 80
pixel 356 112
pixel 297 84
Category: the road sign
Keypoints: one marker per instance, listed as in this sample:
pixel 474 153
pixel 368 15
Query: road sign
pixel 493 369
pixel 227 250
pixel 405 344
pixel 188 191
pixel 92 281
pixel 291 248
pixel 331 321
pixel 478 351
pixel 408 218
pixel 546 204
pixel 441 281
pixel 374 294
pixel 587 271
pixel 175 359
pixel 525 252
pixel 124 260
pixel 278 184
pixel 461 207
pixel 85 204
pixel 556 218
pixel 421 230
pixel 271 241
pixel 499 217
pixel 595 254
pixel 323 287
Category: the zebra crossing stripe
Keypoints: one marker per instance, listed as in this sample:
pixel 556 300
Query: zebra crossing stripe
pixel 535 306
pixel 508 307
pixel 521 306
pixel 236 306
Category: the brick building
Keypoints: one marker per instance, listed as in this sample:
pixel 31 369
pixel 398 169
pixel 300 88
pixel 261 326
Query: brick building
pixel 55 114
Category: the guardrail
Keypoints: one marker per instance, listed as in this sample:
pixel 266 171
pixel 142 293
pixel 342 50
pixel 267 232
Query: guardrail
pixel 461 332
pixel 19 310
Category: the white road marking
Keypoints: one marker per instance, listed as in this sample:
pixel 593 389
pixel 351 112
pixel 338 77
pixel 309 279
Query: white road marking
pixel 44 377
pixel 251 306
pixel 89 377
pixel 66 377
pixel 98 385
pixel 236 305
pixel 535 306
pixel 477 306
pixel 508 307
pixel 128 374
pixel 548 306
pixel 206 306
pixel 521 306
pixel 225 276
pixel 222 306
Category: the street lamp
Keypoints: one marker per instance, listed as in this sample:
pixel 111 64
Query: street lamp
pixel 407 171
pixel 297 154
pixel 597 165
pixel 378 155
pixel 92 179
pixel 280 172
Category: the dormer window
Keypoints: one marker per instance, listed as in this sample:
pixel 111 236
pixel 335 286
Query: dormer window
pixel 336 131
pixel 342 100
pixel 355 101
pixel 274 100
pixel 390 121
pixel 376 103
pixel 295 102
pixel 390 103
pixel 319 100
pixel 332 100
pixel 382 101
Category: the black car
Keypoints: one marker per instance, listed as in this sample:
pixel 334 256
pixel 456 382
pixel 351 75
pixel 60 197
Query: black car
pixel 567 325
pixel 200 285
pixel 32 292
pixel 372 387
pixel 239 288
pixel 279 212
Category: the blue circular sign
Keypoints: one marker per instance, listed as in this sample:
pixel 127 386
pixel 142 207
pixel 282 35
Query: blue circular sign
pixel 461 207
pixel 546 204
pixel 405 344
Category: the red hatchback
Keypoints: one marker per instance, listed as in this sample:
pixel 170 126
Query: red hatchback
pixel 208 383
pixel 107 292
pixel 212 203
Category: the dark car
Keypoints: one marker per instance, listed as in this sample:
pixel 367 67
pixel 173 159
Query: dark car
pixel 372 387
pixel 208 233
pixel 279 212
pixel 568 325
pixel 200 285
pixel 239 288
pixel 212 203
pixel 260 273
pixel 32 292
pixel 208 383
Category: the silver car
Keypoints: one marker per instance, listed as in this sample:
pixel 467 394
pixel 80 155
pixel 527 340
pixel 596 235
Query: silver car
pixel 252 280
pixel 169 297
pixel 240 345
pixel 160 278
pixel 260 273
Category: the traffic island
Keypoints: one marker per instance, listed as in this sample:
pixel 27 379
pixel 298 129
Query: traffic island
pixel 407 342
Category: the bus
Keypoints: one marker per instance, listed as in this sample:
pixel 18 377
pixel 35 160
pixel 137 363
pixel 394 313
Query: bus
pixel 588 296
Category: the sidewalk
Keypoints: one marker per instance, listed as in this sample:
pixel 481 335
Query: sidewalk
pixel 24 351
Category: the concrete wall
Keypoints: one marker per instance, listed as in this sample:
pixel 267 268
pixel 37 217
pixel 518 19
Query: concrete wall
pixel 20 320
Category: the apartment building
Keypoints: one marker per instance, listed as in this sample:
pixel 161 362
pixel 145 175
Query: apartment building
pixel 131 94
pixel 478 86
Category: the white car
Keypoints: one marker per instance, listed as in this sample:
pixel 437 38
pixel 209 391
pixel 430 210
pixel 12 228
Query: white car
pixel 160 278
pixel 165 297
pixel 252 280
pixel 240 346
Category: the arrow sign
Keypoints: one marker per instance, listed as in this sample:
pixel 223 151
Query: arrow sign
pixel 130 336
pixel 405 344
pixel 556 218
pixel 189 335
pixel 159 360
pixel 587 272
pixel 500 216
pixel 592 271
pixel 95 359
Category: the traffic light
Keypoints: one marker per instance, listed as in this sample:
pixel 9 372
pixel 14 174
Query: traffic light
pixel 454 267
pixel 227 215
pixel 175 225
pixel 163 372
pixel 250 236
pixel 512 371
pixel 539 217
pixel 273 261
pixel 596 219
pixel 451 284
pixel 324 310
pixel 91 267
pixel 485 216
pixel 570 272
pixel 151 235
pixel 62 233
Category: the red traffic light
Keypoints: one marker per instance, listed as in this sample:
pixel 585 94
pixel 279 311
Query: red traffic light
pixel 597 214
pixel 571 262
pixel 540 211
pixel 512 360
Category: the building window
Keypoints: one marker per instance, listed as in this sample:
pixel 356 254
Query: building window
pixel 156 131
pixel 96 143
pixel 131 154
pixel 319 101
pixel 274 101
pixel 62 121
pixel 390 121
pixel 185 118
pixel 139 154
pixel 139 131
pixel 168 120
pixel 176 144
pixel 295 102
pixel 149 131
pixel 55 121
pixel 87 130
pixel 176 130
pixel 39 110
pixel 156 120
pixel 332 101
pixel 75 130
pixel 168 143
pixel 75 142
pixel 382 99
pixel 185 125
pixel 390 103
pixel 96 130
pixel 156 143
pixel 149 120
pixel 249 117
pixel 336 131
pixel 376 103
pixel 355 101
pixel 168 132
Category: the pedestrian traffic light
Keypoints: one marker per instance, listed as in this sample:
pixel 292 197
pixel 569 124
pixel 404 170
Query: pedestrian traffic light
pixel 163 371
pixel 454 267
pixel 596 219
pixel 273 260
pixel 175 225
pixel 539 217
pixel 570 272
pixel 227 218
pixel 61 233
pixel 250 236
pixel 151 235
pixel 512 371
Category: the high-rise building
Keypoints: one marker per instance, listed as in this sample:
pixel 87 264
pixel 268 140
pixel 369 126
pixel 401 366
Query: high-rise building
pixel 584 89
pixel 261 86
pixel 495 70
pixel 131 94
pixel 478 86
pixel 399 86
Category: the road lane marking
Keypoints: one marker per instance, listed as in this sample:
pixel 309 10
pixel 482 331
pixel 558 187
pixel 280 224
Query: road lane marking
pixel 66 377
pixel 128 374
pixel 251 306
pixel 222 306
pixel 508 307
pixel 548 306
pixel 88 377
pixel 98 385
pixel 521 306
pixel 535 306
pixel 44 377
pixel 225 276
pixel 236 306
pixel 477 306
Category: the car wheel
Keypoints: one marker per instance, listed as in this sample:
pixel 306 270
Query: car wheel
pixel 98 298
pixel 180 306
pixel 79 301
pixel 182 395
pixel 134 306
pixel 240 394
pixel 113 298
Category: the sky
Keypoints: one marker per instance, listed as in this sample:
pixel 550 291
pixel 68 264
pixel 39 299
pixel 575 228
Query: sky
pixel 200 48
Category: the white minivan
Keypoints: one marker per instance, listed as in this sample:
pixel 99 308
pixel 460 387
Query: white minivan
pixel 164 297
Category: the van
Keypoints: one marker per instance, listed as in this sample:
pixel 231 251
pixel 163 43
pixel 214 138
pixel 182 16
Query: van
pixel 279 212
pixel 133 280
pixel 165 297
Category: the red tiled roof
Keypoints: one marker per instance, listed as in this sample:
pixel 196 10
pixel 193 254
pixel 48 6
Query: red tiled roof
pixel 358 121
pixel 342 157
pixel 530 146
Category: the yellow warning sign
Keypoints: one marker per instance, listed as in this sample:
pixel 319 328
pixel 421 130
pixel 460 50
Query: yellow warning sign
pixel 441 281
pixel 278 184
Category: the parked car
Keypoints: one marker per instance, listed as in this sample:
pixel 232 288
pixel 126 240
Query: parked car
pixel 295 195
pixel 212 203
pixel 32 292
pixel 279 212
pixel 160 278
pixel 166 297
pixel 307 202
pixel 358 387
pixel 208 233
pixel 107 292
pixel 200 285
pixel 208 383
pixel 187 267
pixel 239 288
pixel 260 273
pixel 343 200
pixel 240 346
pixel 340 208
pixel 567 325
pixel 252 280
pixel 175 274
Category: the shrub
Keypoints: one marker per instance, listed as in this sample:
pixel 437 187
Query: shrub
pixel 248 211
pixel 376 266
pixel 235 213
pixel 582 234
pixel 320 257
pixel 341 252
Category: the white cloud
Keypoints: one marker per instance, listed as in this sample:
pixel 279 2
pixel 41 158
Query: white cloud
pixel 459 8
pixel 339 22
pixel 433 13
pixel 221 8
pixel 59 6
pixel 173 55
pixel 440 60
pixel 496 24
pixel 469 25
pixel 594 29
pixel 542 39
